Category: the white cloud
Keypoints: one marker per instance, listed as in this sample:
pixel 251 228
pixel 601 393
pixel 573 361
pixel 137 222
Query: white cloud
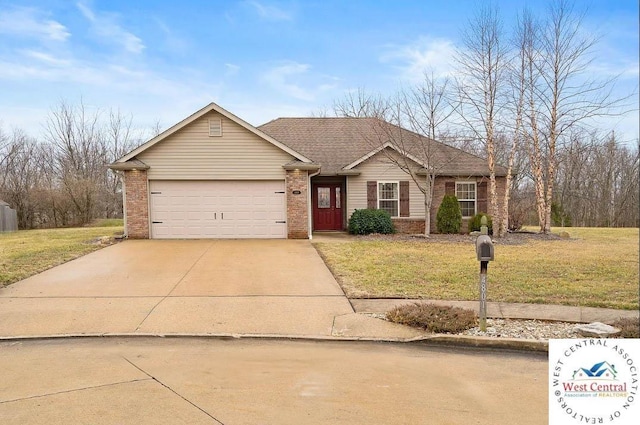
pixel 270 12
pixel 295 80
pixel 426 54
pixel 93 76
pixel 26 22
pixel 281 76
pixel 46 58
pixel 623 69
pixel 106 27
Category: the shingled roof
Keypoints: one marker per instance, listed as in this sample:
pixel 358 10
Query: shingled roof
pixel 337 142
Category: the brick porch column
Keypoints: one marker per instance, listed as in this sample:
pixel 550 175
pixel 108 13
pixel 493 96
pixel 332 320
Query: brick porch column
pixel 297 206
pixel 137 204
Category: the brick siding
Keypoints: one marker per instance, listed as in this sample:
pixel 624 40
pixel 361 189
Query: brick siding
pixel 409 225
pixel 297 205
pixel 137 209
pixel 438 194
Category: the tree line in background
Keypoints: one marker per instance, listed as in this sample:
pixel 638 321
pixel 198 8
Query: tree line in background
pixel 63 180
pixel 524 100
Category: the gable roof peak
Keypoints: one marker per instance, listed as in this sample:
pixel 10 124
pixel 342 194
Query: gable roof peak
pixel 199 114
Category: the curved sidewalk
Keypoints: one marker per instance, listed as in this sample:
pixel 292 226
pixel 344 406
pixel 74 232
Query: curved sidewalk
pixel 500 310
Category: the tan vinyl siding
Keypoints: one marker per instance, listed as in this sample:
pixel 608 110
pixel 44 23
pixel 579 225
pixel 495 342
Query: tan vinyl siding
pixel 378 168
pixel 191 153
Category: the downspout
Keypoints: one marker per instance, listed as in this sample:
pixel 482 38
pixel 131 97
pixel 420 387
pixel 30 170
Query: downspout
pixel 120 175
pixel 310 206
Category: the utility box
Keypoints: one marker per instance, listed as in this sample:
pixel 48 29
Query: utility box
pixel 484 248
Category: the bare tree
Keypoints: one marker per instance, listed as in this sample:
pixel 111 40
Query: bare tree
pixel 81 157
pixel 361 104
pixel 597 182
pixel 65 180
pixel 482 62
pixel 405 129
pixel 560 95
pixel 23 176
pixel 517 83
pixel 84 144
pixel 119 139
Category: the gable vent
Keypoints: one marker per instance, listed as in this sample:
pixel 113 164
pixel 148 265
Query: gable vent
pixel 215 127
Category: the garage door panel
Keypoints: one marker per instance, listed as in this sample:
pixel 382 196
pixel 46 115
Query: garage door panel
pixel 217 209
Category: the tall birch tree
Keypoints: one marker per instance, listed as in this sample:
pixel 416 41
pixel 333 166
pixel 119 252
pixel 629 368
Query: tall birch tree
pixel 482 63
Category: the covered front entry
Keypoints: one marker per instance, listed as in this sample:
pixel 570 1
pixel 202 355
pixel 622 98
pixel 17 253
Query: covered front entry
pixel 217 209
pixel 328 206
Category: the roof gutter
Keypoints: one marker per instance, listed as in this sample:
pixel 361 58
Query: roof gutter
pixel 309 204
pixel 303 166
pixel 131 165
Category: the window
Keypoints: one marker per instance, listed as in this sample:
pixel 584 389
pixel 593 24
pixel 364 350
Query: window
pixel 388 197
pixel 466 194
pixel 215 127
pixel 324 197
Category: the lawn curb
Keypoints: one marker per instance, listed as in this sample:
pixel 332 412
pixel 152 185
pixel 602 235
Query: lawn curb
pixel 434 340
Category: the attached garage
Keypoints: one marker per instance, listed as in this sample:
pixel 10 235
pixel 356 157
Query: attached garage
pixel 217 209
pixel 213 175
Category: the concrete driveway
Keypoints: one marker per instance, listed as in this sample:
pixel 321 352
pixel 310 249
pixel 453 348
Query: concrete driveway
pixel 202 287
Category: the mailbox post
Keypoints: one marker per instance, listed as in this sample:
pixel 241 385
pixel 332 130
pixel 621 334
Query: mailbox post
pixel 484 251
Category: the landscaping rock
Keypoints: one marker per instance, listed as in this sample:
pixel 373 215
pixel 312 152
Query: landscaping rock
pixel 597 330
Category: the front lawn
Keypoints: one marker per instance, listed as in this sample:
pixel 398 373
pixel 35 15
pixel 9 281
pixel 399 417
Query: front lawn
pixel 596 267
pixel 27 252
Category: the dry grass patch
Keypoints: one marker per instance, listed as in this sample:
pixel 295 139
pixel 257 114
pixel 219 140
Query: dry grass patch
pixel 629 328
pixel 433 318
pixel 596 267
pixel 28 252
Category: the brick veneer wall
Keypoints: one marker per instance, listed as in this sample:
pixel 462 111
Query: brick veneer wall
pixel 409 225
pixel 297 205
pixel 438 194
pixel 137 198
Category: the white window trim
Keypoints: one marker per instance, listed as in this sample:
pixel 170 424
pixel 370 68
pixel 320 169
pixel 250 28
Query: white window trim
pixel 475 201
pixel 218 122
pixel 397 183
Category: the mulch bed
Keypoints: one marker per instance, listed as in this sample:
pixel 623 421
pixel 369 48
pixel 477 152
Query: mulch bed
pixel 512 238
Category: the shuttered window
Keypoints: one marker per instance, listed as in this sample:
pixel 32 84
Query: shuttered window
pixel 388 197
pixel 392 197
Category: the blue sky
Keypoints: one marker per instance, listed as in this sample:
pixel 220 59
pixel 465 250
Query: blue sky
pixel 260 59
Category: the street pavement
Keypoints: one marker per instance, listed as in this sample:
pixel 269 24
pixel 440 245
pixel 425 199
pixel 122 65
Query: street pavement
pixel 261 381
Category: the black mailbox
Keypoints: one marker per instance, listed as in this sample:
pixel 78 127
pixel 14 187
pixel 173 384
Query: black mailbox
pixel 484 248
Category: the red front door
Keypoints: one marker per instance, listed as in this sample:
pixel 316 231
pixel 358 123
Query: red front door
pixel 327 207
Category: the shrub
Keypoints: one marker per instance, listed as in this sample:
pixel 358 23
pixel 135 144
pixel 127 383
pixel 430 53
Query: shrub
pixel 629 328
pixel 476 222
pixel 449 217
pixel 364 222
pixel 433 318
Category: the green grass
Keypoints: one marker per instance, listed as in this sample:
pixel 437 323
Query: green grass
pixel 27 252
pixel 108 222
pixel 596 267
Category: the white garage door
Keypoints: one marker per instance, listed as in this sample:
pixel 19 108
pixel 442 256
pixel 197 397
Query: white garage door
pixel 217 209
